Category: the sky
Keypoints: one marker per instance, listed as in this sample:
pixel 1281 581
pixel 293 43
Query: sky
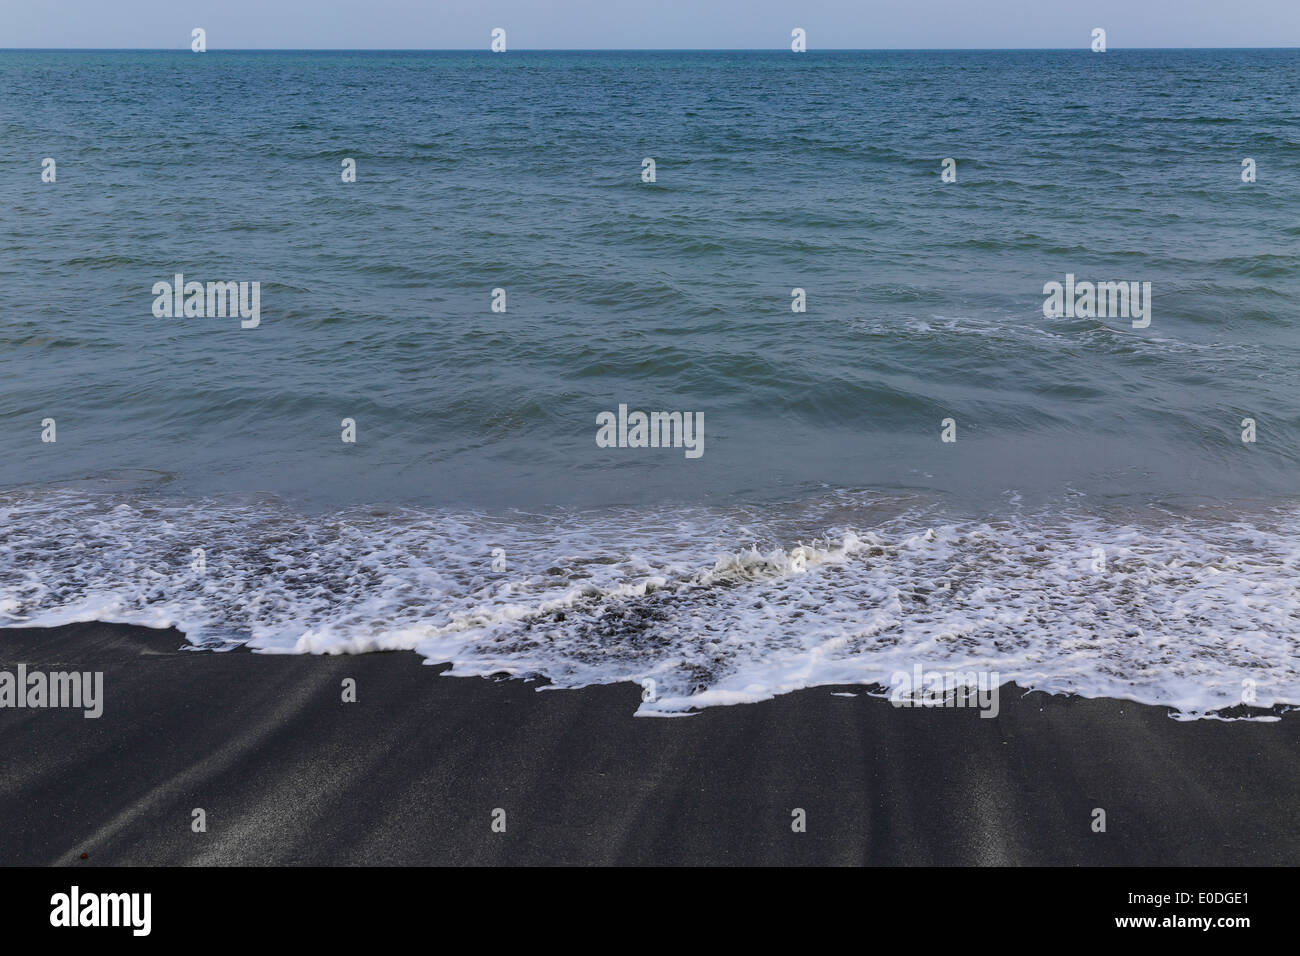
pixel 648 24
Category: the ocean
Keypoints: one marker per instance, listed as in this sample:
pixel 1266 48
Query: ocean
pixel 920 467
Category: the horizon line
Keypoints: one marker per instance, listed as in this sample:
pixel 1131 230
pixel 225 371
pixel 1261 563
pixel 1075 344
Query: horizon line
pixel 478 49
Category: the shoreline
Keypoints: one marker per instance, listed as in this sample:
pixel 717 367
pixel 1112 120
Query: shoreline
pixel 412 772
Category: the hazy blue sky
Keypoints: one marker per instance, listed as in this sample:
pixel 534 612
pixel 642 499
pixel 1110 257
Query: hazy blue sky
pixel 647 24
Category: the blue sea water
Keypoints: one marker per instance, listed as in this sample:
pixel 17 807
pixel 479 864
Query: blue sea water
pixel 827 533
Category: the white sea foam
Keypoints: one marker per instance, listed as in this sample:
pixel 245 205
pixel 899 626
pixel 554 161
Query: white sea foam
pixel 716 607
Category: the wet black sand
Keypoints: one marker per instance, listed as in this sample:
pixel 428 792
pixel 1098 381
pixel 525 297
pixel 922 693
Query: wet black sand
pixel 411 773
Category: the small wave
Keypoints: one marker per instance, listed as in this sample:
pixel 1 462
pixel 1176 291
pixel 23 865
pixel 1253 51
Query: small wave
pixel 714 606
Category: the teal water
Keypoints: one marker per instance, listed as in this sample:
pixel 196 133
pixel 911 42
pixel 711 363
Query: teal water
pixel 774 171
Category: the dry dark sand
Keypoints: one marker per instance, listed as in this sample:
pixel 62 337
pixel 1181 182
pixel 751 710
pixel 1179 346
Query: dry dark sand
pixel 410 774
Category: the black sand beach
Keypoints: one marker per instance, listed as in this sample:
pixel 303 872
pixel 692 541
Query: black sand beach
pixel 411 773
